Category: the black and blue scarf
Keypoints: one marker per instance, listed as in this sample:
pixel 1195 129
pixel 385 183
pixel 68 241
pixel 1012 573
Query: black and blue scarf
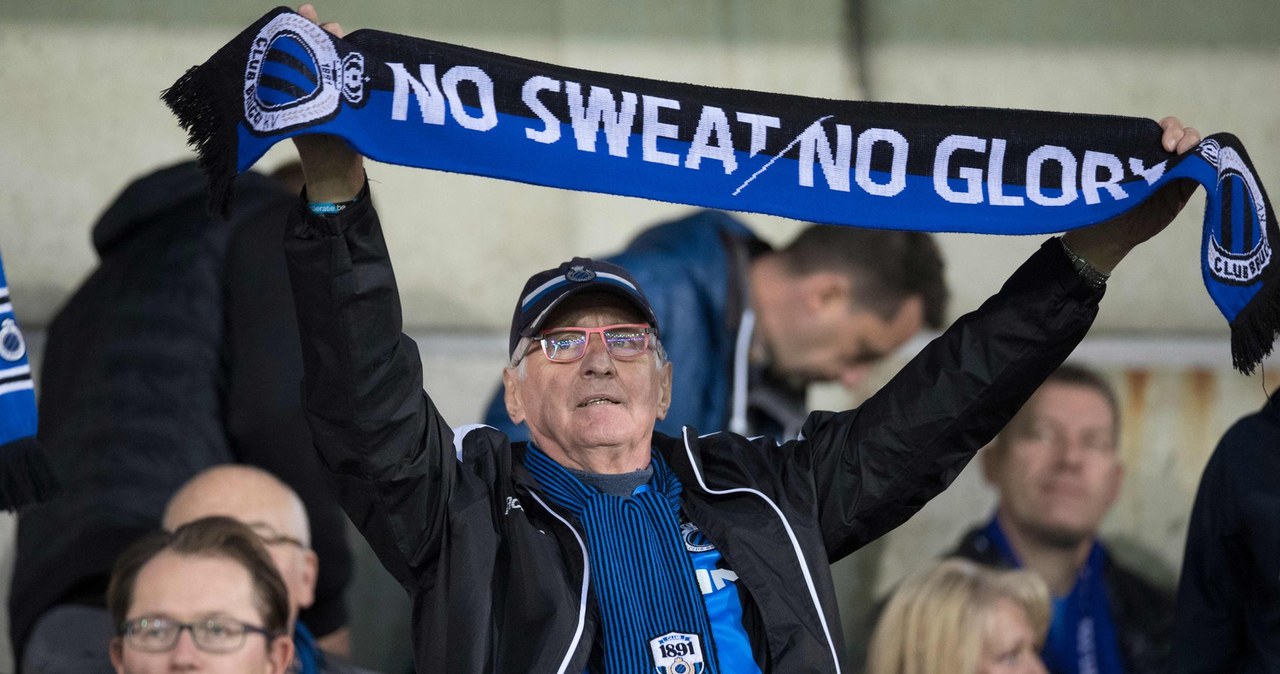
pixel 420 103
pixel 307 655
pixel 651 609
pixel 25 476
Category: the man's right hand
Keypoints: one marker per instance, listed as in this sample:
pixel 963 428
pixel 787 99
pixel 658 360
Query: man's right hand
pixel 334 171
pixel 1103 245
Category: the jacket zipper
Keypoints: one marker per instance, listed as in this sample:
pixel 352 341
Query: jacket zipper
pixel 795 543
pixel 586 582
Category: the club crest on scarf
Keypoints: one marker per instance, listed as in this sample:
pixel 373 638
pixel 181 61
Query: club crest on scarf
pixel 294 77
pixel 12 346
pixel 677 653
pixel 1238 250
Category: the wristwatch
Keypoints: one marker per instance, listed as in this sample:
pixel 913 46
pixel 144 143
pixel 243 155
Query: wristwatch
pixel 1096 278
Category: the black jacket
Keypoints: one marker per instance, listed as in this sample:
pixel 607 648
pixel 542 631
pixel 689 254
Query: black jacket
pixel 1143 612
pixel 499 577
pixel 178 352
pixel 1228 612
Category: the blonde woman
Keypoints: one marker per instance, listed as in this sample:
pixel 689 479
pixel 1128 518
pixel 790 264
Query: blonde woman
pixel 961 618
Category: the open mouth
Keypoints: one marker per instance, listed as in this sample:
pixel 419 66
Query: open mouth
pixel 599 400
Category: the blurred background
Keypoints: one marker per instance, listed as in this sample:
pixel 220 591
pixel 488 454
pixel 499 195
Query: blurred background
pixel 82 117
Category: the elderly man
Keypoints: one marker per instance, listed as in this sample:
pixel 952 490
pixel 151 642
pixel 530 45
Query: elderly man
pixel 275 512
pixel 1057 470
pixel 752 327
pixel 601 545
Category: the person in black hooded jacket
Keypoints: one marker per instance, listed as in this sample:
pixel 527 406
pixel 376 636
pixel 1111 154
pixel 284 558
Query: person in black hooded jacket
pixel 178 352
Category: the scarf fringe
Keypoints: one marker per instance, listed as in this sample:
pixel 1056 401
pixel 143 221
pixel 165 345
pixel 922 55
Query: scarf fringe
pixel 25 475
pixel 1255 328
pixel 194 100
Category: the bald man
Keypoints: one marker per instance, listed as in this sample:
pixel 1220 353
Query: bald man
pixel 276 514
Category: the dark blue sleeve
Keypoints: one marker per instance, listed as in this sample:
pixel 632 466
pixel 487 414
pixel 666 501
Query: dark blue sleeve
pixel 1208 621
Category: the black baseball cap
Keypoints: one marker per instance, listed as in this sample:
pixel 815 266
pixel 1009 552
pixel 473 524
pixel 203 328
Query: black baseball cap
pixel 545 291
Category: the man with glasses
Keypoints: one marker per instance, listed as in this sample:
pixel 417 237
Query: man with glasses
pixel 274 512
pixel 276 515
pixel 600 544
pixel 1057 471
pixel 205 598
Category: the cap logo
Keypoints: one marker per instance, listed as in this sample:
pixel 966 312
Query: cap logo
pixel 579 274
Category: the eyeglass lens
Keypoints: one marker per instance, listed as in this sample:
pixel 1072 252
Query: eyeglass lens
pixel 159 634
pixel 622 341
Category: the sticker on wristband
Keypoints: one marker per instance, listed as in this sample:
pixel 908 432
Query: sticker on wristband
pixel 327 208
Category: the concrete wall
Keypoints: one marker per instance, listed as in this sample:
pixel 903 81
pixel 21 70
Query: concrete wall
pixel 82 117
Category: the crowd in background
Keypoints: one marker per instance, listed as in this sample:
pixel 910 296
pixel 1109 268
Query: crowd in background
pixel 178 360
pixel 195 525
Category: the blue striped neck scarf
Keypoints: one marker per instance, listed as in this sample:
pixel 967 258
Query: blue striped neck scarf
pixel 652 614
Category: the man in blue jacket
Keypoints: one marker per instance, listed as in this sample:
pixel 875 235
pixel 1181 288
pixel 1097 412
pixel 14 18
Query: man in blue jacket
pixel 750 327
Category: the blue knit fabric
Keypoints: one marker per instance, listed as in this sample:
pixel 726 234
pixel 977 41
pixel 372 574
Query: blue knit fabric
pixel 17 392
pixel 25 475
pixel 1082 635
pixel 652 611
pixel 306 654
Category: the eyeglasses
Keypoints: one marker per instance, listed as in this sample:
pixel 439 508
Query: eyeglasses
pixel 625 341
pixel 158 634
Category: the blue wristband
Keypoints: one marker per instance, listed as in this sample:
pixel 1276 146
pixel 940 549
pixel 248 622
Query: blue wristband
pixel 328 208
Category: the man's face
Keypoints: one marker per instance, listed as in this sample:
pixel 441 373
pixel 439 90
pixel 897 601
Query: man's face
pixel 189 589
pixel 832 340
pixel 597 402
pixel 273 514
pixel 1056 466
